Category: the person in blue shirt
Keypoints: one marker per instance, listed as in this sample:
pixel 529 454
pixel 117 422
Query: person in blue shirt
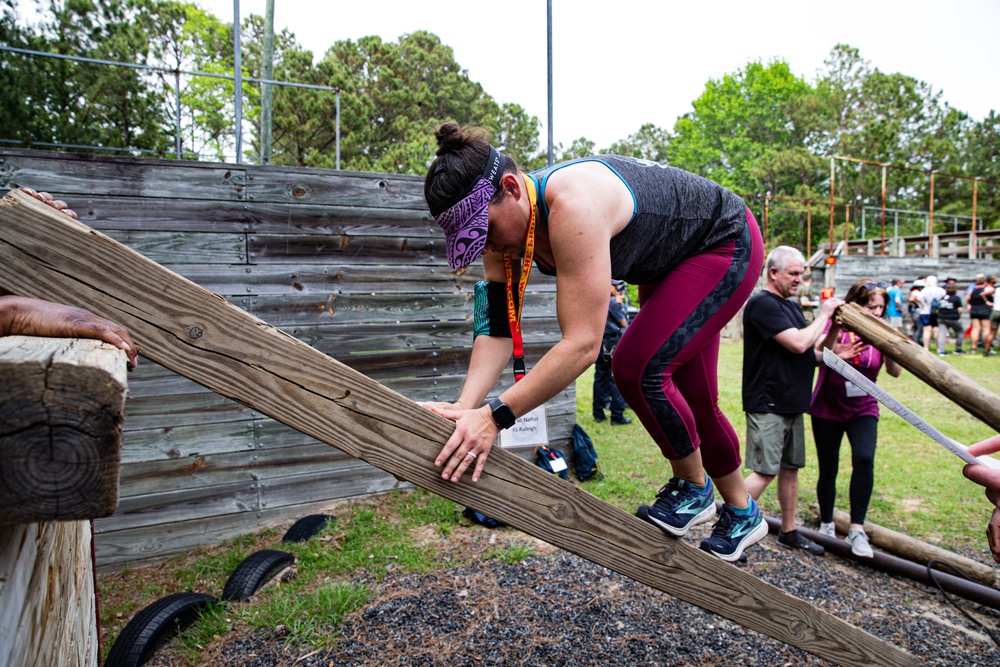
pixel 894 308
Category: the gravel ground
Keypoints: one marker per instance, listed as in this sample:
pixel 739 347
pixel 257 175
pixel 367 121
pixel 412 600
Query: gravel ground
pixel 556 609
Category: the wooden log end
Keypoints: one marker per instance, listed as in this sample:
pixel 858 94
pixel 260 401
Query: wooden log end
pixel 61 411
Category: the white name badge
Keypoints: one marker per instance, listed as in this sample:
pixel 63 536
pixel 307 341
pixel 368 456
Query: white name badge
pixel 529 429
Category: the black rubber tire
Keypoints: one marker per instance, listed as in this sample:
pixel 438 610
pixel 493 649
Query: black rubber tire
pixel 153 625
pixel 306 527
pixel 256 570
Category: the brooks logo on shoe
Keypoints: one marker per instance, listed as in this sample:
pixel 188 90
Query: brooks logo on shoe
pixel 745 528
pixel 692 506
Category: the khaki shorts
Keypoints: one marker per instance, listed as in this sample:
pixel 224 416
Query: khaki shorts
pixel 775 442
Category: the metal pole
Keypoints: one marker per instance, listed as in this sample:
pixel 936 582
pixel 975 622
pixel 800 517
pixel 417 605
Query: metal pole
pixel 809 228
pixel 338 128
pixel 973 251
pixel 266 91
pixel 767 201
pixel 549 30
pixel 883 208
pixel 832 183
pixel 177 122
pixel 930 217
pixel 238 79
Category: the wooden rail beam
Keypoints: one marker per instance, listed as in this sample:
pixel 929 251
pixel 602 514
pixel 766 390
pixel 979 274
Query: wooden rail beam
pixel 953 383
pixel 199 335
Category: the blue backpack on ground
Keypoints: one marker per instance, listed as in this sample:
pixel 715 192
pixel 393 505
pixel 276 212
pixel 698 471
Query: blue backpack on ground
pixel 551 460
pixel 585 455
pixel 475 516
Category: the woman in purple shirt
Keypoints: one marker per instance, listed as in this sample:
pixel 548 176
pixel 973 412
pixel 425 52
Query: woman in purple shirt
pixel 840 407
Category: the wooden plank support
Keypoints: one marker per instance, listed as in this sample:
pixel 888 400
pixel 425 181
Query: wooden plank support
pixel 61 405
pixel 942 376
pixel 47 601
pixel 918 551
pixel 199 335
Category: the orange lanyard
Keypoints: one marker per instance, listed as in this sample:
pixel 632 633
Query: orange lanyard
pixel 514 314
pixel 854 360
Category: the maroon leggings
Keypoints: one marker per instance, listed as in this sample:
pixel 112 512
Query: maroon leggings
pixel 666 364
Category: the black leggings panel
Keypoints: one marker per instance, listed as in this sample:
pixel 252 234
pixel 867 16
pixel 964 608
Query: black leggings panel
pixel 862 433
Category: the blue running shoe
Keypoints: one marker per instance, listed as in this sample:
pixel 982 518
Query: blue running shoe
pixel 733 532
pixel 679 506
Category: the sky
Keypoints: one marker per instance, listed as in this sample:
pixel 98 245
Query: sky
pixel 620 64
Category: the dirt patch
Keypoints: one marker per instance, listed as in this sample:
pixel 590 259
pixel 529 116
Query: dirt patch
pixel 556 609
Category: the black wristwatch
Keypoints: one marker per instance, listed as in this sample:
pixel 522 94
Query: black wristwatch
pixel 503 416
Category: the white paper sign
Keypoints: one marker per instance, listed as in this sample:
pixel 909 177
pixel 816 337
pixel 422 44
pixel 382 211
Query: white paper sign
pixel 529 429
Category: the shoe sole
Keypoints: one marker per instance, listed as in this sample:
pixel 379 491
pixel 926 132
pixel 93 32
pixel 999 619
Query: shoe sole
pixel 752 538
pixel 707 515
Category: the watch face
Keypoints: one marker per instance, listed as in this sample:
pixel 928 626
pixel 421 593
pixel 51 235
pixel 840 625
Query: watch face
pixel 503 416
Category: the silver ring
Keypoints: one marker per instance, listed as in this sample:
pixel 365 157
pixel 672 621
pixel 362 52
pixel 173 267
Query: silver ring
pixel 472 454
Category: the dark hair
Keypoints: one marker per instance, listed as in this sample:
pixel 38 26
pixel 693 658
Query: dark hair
pixel 861 292
pixel 461 157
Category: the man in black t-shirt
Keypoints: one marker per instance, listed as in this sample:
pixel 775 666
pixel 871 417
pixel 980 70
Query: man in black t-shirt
pixel 778 363
pixel 949 320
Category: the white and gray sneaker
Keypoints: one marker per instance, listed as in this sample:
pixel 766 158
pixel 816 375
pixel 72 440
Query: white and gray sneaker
pixel 828 528
pixel 860 546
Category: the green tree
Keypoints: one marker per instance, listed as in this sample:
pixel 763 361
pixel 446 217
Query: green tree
pixel 69 102
pixel 184 37
pixel 649 143
pixel 581 147
pixel 517 136
pixel 412 86
pixel 884 118
pixel 749 131
pixel 745 127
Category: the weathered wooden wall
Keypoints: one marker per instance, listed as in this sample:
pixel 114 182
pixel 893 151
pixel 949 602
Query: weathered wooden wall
pixel 348 262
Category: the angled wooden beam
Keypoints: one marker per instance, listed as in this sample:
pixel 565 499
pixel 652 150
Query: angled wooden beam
pixel 199 335
pixel 976 399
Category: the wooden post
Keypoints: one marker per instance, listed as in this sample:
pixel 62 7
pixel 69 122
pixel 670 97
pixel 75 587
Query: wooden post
pixel 47 602
pixel 945 378
pixel 199 335
pixel 919 551
pixel 61 405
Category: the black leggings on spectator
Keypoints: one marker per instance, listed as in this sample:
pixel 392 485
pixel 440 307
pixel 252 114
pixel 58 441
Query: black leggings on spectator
pixel 862 433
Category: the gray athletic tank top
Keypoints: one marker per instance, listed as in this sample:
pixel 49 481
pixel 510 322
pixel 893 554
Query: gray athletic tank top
pixel 676 215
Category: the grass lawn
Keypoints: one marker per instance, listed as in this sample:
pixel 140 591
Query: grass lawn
pixel 919 487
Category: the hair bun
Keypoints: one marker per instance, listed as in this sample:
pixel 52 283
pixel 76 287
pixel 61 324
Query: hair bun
pixel 450 138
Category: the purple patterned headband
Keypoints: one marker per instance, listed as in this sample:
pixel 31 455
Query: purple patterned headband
pixel 465 222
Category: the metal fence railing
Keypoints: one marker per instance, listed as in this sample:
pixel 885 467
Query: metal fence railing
pixel 177 72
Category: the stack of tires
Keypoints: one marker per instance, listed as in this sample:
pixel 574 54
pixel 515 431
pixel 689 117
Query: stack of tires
pixel 155 624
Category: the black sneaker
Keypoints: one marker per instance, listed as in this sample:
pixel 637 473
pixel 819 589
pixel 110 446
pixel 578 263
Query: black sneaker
pixel 598 418
pixel 620 421
pixel 796 540
pixel 679 507
pixel 733 533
